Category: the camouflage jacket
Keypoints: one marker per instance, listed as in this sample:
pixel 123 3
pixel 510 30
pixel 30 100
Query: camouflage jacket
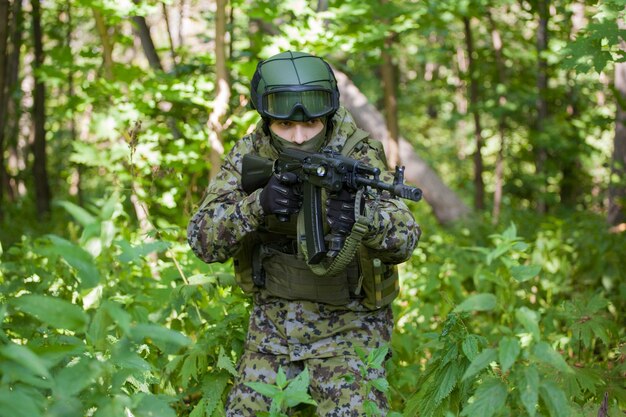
pixel 301 329
pixel 228 213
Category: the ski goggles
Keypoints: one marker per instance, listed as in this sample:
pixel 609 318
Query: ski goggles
pixel 286 103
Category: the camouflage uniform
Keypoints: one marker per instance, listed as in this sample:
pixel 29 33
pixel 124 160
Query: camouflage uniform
pixel 294 334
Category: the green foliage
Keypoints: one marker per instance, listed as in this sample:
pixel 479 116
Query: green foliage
pixel 96 324
pixel 513 341
pixel 371 361
pixel 599 43
pixel 285 393
pixel 103 314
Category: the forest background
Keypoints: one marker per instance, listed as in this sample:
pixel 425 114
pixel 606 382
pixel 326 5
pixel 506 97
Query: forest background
pixel 509 114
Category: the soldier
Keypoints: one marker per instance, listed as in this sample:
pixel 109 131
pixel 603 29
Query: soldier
pixel 300 319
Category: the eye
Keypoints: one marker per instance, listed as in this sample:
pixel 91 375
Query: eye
pixel 283 123
pixel 314 122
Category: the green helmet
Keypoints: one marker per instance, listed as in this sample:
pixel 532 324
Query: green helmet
pixel 294 86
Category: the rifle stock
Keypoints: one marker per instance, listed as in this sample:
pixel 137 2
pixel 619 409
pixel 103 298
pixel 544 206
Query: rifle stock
pixel 255 172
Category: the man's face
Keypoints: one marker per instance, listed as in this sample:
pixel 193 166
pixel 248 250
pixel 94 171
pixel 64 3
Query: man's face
pixel 297 132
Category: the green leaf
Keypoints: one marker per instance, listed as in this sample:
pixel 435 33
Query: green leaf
pixel 523 273
pixel 477 302
pixel 529 390
pixel 510 233
pixel 125 358
pixel 370 408
pixel 281 378
pixel 108 210
pixel 480 362
pixel 262 388
pixel 76 376
pixel 26 358
pixel 81 215
pixel 189 370
pixel 300 382
pixel 224 362
pixel 377 356
pixel 154 406
pixel 112 406
pixel 55 312
pixel 489 398
pixel 77 258
pixel 198 410
pixel 447 379
pixel 277 405
pixel 470 346
pixel 213 386
pixel 201 279
pixel 133 253
pixel 381 384
pixel 118 315
pixel 18 402
pixel 546 354
pixel 554 398
pixel 530 320
pixel 508 352
pixel 160 335
pixel 293 398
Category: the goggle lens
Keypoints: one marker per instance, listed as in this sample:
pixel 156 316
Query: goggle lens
pixel 284 104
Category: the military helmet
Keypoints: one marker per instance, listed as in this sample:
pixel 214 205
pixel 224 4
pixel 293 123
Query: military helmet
pixel 294 86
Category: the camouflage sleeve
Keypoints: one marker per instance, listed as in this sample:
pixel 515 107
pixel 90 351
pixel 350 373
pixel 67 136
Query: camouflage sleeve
pixel 226 214
pixel 394 232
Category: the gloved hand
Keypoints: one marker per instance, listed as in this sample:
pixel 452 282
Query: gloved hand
pixel 340 211
pixel 279 195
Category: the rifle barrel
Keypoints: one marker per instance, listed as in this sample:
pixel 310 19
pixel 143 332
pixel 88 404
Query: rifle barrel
pixel 399 190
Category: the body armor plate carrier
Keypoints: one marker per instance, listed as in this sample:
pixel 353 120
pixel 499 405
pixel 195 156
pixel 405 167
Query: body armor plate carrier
pixel 271 260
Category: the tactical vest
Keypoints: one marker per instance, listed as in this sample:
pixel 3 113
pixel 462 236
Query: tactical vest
pixel 271 260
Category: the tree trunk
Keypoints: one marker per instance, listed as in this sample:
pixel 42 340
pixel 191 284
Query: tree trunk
pixel 11 127
pixel 169 34
pixel 107 47
pixel 496 42
pixel 42 187
pixel 143 32
pixel 460 96
pixel 447 206
pixel 541 155
pixel 181 20
pixel 479 185
pixel 75 188
pixel 570 164
pixel 431 75
pixel 617 190
pixel 220 104
pixel 390 97
pixel 4 30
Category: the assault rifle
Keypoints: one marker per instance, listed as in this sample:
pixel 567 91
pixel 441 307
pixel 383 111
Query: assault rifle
pixel 329 170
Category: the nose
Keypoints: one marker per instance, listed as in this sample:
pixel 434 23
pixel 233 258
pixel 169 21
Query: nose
pixel 300 135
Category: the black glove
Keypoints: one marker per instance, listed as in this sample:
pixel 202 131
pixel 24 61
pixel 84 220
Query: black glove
pixel 280 197
pixel 340 211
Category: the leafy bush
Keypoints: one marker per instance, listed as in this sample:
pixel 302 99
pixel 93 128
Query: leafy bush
pixel 107 320
pixel 494 330
pixel 115 321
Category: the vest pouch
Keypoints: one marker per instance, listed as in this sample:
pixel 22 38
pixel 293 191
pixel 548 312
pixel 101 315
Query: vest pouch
pixel 288 277
pixel 242 262
pixel 380 281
